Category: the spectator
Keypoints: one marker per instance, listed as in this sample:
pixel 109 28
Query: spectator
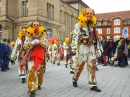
pixel 0 55
pixel 10 49
pixel 120 52
pixel 105 50
pixel 112 48
pixel 4 52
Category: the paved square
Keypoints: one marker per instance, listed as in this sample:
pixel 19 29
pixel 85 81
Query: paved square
pixel 113 81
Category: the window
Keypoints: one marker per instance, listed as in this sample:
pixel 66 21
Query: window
pixel 105 23
pixel 50 11
pixel 125 27
pixel 49 32
pixel 129 21
pixel 52 14
pixel 108 30
pixel 108 37
pixel 0 7
pixel 117 22
pixel 98 23
pixel 61 16
pixel 0 31
pixel 24 8
pixel 116 30
pixel 99 30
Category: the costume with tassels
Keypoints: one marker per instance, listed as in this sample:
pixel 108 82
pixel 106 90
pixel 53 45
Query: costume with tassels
pixel 19 51
pixel 83 45
pixel 56 51
pixel 35 57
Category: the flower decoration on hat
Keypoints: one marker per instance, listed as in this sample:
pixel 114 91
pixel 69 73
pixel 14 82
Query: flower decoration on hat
pixel 82 19
pixel 67 40
pixel 30 32
pixel 40 33
pixel 19 35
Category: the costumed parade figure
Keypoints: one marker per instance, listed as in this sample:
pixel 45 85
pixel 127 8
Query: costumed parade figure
pixel 66 47
pixel 83 37
pixel 50 52
pixel 35 57
pixel 18 52
pixel 56 51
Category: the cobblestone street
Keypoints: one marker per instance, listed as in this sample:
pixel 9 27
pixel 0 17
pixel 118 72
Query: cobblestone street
pixel 113 81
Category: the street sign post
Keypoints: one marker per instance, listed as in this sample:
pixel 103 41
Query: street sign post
pixel 125 33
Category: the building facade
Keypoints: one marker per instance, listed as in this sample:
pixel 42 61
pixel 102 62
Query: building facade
pixel 114 24
pixel 57 16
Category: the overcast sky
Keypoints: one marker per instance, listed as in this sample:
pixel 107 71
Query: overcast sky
pixel 103 6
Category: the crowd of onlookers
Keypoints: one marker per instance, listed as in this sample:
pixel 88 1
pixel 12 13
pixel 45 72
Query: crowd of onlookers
pixel 114 50
pixel 108 51
pixel 5 54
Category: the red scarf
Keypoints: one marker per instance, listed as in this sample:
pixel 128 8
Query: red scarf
pixel 37 55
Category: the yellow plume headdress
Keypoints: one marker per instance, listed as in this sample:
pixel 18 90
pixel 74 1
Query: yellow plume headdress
pixel 19 35
pixel 57 41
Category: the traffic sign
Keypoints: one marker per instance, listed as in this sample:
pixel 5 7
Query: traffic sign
pixel 125 31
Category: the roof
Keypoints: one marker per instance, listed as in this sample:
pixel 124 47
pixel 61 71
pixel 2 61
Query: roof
pixel 108 16
pixel 76 1
pixel 71 1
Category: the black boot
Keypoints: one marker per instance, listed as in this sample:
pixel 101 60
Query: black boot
pixel 53 62
pixel 97 68
pixel 75 84
pixel 58 63
pixel 66 65
pixel 95 88
pixel 32 94
pixel 23 80
pixel 39 87
pixel 71 72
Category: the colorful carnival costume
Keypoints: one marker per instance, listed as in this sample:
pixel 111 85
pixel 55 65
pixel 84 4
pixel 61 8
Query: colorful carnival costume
pixel 35 57
pixel 82 40
pixel 66 47
pixel 19 51
pixel 56 51
pixel 50 52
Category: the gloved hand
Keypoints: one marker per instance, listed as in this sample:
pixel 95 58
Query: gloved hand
pixel 35 41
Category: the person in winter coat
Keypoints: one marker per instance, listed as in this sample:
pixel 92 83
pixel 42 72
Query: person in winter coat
pixel 105 50
pixel 4 53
